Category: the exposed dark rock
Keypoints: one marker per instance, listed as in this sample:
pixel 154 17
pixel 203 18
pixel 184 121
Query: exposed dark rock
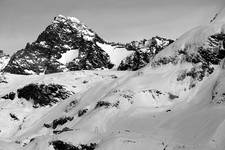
pixel 144 51
pixel 154 93
pixel 42 94
pixel 60 145
pixel 47 125
pixel 217 41
pixel 10 96
pixel 3 81
pixel 114 77
pixel 13 116
pixel 102 104
pixel 116 104
pixel 197 73
pixel 203 60
pixel 154 43
pixel 211 55
pixel 127 96
pixel 61 131
pixel 214 18
pixel 57 122
pixel 172 96
pixel 85 81
pixel 164 61
pixel 82 112
pixel 91 56
pixel 168 110
pixel 138 60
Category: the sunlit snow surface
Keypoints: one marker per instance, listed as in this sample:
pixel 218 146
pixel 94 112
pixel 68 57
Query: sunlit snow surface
pixel 116 54
pixel 68 56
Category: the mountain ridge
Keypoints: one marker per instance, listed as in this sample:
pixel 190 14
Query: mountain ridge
pixel 68 44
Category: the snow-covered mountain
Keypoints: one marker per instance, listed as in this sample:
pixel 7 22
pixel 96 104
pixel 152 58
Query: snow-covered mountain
pixel 176 102
pixel 67 44
pixel 66 41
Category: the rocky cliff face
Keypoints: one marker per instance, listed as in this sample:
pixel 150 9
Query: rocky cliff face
pixel 145 50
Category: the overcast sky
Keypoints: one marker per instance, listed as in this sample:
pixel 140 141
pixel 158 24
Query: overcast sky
pixel 21 21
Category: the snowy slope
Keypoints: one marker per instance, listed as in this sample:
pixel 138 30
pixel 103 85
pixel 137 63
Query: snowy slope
pixel 116 54
pixel 18 116
pixel 197 37
pixel 68 56
pixel 140 110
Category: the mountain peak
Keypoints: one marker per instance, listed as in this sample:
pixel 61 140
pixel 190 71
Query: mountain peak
pixel 61 18
pixel 65 40
pixel 70 24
